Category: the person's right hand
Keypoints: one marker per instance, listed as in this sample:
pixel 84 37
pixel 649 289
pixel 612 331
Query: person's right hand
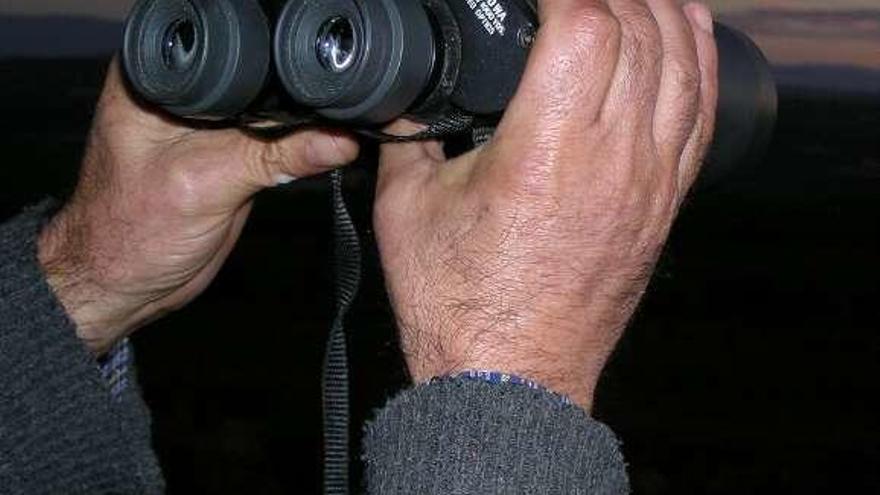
pixel 529 255
pixel 158 208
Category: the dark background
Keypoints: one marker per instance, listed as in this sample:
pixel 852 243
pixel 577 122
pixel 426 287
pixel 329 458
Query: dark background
pixel 751 367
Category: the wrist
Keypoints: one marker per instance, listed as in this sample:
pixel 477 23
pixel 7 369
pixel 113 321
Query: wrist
pixel 575 379
pixel 101 316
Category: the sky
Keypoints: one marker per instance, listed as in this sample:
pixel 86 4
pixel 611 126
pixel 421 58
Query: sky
pixel 791 32
pixel 117 8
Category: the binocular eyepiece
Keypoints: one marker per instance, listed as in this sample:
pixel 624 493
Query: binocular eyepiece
pixel 198 59
pixel 363 63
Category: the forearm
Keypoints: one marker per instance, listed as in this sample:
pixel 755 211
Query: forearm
pixel 470 437
pixel 62 430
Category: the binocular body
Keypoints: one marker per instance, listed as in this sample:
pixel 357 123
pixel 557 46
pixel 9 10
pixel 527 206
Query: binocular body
pixel 359 62
pixel 362 63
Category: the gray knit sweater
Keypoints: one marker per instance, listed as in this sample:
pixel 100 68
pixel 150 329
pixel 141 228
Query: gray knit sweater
pixel 62 431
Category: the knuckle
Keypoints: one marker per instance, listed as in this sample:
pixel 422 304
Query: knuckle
pixel 684 86
pixel 685 78
pixel 641 26
pixel 603 23
pixel 272 156
pixel 593 24
pixel 267 160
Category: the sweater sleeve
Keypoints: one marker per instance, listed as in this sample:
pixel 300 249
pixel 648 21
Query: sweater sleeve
pixel 61 428
pixel 461 436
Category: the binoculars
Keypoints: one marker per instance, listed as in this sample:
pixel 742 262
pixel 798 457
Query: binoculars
pixel 359 64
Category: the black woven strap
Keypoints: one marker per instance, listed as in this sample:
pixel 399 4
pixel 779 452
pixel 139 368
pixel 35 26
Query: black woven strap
pixel 451 125
pixel 335 379
pixel 482 134
pixel 347 255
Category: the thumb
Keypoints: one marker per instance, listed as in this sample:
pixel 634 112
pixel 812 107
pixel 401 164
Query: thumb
pixel 410 158
pixel 269 163
pixel 418 161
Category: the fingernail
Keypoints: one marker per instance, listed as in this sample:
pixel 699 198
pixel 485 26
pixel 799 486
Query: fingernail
pixel 282 179
pixel 703 17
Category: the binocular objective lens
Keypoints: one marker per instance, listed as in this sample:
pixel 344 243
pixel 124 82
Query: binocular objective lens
pixel 336 45
pixel 179 46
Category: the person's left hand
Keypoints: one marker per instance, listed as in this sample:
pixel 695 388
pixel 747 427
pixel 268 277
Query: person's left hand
pixel 158 209
pixel 530 254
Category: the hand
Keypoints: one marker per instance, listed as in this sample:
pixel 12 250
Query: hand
pixel 158 208
pixel 530 255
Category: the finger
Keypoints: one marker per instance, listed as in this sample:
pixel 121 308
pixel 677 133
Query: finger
pixel 406 154
pixel 633 95
pixel 700 18
pixel 417 151
pixel 265 163
pixel 678 101
pixel 404 170
pixel 566 81
pixel 408 161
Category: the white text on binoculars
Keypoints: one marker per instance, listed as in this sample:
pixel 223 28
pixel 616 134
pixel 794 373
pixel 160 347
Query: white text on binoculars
pixel 491 14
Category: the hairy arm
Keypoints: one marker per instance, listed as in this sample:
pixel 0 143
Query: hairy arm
pixel 529 255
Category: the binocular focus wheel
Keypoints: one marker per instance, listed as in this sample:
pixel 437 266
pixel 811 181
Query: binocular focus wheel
pixel 198 58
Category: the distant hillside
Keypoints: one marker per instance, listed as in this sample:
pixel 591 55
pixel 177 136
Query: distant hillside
pixel 829 79
pixel 54 37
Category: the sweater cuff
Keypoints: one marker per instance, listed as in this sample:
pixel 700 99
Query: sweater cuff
pixel 60 428
pixel 498 377
pixel 116 367
pixel 465 436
